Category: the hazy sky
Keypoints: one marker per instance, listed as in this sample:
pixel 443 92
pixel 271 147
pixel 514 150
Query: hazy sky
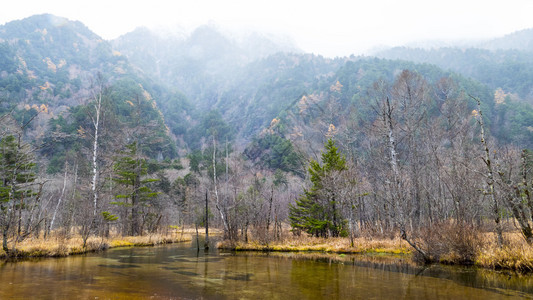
pixel 327 27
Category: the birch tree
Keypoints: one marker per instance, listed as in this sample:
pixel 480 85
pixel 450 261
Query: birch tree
pixel 98 98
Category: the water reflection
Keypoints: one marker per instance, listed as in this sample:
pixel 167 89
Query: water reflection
pixel 181 272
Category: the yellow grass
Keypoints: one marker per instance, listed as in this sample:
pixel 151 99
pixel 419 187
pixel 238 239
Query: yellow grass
pixel 56 246
pixel 147 240
pixel 515 255
pixel 331 245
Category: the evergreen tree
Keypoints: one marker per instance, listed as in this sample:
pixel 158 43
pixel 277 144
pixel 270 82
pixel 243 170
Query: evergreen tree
pixel 317 210
pixel 16 178
pixel 129 170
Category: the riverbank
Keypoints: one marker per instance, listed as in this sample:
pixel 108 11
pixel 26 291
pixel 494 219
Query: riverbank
pixel 516 255
pixel 331 245
pixel 58 246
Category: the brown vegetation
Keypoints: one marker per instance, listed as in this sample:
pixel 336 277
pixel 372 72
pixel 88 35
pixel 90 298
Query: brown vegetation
pixel 515 255
pixel 59 246
pixel 334 245
pixel 447 243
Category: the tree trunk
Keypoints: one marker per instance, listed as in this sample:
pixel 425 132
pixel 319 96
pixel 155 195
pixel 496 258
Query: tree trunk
pixel 4 241
pixel 490 178
pixel 197 238
pixel 206 246
pixel 217 205
pixel 135 208
pixel 398 219
pixel 270 208
pixel 415 246
pixel 60 198
pixel 96 124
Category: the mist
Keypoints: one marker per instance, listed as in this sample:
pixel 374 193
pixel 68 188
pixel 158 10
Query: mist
pixel 336 28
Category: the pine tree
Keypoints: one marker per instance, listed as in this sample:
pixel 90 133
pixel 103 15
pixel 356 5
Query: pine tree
pixel 129 170
pixel 16 178
pixel 317 210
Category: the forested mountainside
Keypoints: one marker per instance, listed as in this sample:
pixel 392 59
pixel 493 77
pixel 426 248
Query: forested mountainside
pixel 54 68
pixel 144 125
pixel 521 40
pixel 246 84
pixel 205 60
pixel 503 63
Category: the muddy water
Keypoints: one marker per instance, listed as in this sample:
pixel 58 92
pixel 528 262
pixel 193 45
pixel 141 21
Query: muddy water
pixel 181 272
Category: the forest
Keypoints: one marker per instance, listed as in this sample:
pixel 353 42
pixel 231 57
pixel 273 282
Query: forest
pixel 110 139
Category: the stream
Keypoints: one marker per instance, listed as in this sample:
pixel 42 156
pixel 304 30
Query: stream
pixel 179 271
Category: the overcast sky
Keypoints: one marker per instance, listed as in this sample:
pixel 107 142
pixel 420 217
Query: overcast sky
pixel 327 27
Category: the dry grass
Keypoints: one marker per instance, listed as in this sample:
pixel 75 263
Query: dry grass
pixel 331 245
pixel 515 255
pixel 56 246
pixel 368 259
pixel 147 240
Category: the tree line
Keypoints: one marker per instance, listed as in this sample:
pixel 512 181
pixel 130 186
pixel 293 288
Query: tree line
pixel 423 166
pixel 427 169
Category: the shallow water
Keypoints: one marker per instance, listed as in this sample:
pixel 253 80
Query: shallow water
pixel 179 271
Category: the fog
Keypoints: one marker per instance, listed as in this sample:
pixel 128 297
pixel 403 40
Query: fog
pixel 333 28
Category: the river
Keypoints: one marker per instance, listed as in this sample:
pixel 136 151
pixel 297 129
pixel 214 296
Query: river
pixel 179 271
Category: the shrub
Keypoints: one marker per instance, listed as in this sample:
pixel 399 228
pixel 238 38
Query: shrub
pixel 449 242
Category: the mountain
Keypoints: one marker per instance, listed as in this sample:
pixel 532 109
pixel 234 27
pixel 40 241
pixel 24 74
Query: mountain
pixel 249 80
pixel 256 92
pixel 139 134
pixel 504 65
pixel 520 40
pixel 510 70
pixel 205 58
pixel 50 72
pixel 53 49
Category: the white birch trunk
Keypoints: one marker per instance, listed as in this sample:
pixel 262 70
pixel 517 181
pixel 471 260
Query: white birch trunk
pixel 394 165
pixel 96 123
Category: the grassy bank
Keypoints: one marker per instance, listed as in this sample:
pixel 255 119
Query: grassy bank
pixel 331 245
pixel 517 255
pixel 57 246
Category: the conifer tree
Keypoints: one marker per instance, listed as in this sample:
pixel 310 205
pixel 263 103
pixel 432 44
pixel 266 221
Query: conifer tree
pixel 129 170
pixel 16 178
pixel 317 210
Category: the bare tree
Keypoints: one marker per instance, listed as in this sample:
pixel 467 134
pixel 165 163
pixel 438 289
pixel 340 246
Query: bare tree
pixel 489 177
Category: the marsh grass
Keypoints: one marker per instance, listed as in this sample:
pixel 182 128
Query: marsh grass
pixel 481 250
pixel 331 245
pixel 59 246
pixel 147 240
pixel 515 255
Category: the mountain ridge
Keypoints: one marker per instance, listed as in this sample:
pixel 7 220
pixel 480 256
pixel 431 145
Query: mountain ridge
pixel 206 74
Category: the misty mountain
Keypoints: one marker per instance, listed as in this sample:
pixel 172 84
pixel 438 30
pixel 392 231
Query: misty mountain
pixel 56 57
pixel 205 58
pixel 520 40
pixel 51 47
pixel 249 80
pixel 510 70
pixel 51 71
pixel 260 94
